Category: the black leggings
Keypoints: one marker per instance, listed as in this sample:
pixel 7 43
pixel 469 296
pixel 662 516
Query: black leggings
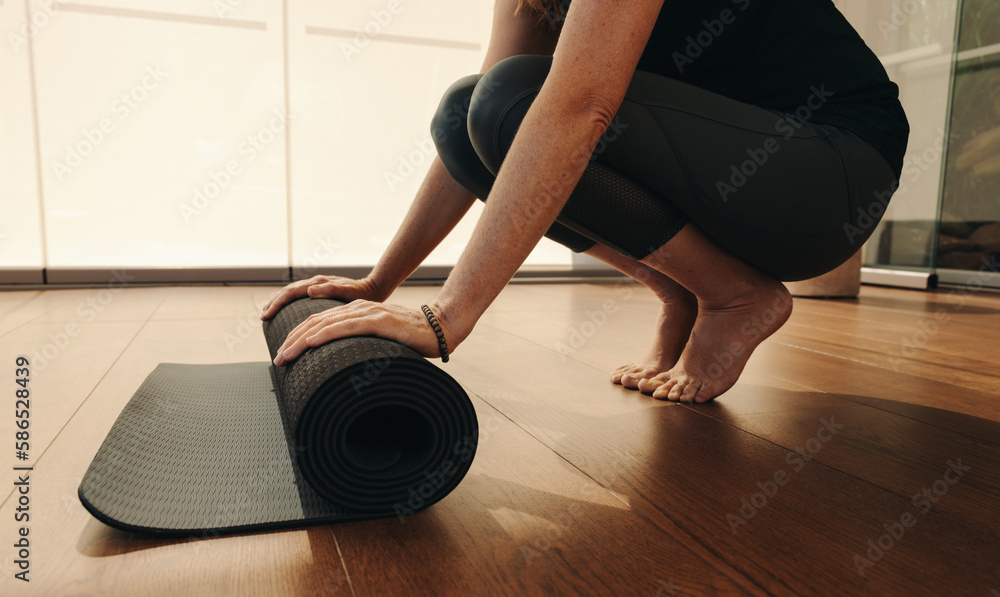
pixel 793 198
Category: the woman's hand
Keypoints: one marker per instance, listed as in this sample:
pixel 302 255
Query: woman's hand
pixel 332 287
pixel 364 318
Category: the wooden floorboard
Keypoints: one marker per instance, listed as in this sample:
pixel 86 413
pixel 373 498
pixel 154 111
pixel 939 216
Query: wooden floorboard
pixel 688 475
pixel 524 521
pixel 579 486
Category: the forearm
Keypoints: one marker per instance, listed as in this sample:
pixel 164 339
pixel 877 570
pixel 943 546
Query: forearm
pixel 441 201
pixel 546 160
pixel 437 208
pixel 594 60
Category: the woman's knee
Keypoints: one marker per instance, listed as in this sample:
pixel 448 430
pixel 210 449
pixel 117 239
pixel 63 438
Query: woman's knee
pixel 450 133
pixel 499 102
pixel 449 121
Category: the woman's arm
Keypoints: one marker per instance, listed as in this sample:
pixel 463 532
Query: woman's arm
pixel 596 55
pixel 598 50
pixel 440 203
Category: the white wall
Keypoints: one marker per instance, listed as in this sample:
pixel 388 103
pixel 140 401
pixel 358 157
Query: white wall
pixel 20 225
pixel 161 137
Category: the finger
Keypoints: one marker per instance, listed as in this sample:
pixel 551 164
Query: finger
pixel 290 350
pixel 264 314
pixel 322 290
pixel 295 290
pixel 283 297
pixel 295 343
pixel 297 335
pixel 274 304
pixel 333 290
pixel 358 326
pixel 318 333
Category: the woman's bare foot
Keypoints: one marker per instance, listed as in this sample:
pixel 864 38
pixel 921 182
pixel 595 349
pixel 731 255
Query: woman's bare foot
pixel 725 334
pixel 673 326
pixel 739 306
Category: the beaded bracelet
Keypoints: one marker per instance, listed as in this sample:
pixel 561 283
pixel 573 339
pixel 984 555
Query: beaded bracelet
pixel 442 344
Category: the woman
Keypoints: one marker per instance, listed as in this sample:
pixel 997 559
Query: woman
pixel 740 153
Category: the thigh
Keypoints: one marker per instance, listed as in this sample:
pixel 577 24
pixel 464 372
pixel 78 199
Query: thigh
pixel 777 190
pixel 773 188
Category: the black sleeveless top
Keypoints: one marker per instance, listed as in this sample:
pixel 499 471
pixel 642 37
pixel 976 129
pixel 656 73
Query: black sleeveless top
pixel 778 54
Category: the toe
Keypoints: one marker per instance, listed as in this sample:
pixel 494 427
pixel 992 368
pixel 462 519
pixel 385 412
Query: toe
pixel 648 385
pixel 633 378
pixel 674 393
pixel 690 391
pixel 621 373
pixel 663 391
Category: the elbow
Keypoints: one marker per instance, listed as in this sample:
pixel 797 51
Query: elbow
pixel 598 111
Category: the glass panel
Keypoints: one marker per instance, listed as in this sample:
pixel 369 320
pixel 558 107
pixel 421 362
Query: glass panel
pixel 914 40
pixel 365 80
pixel 162 138
pixel 162 141
pixel 20 226
pixel 970 226
pixel 980 25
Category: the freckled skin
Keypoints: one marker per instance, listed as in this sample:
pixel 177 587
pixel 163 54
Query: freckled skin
pixel 708 294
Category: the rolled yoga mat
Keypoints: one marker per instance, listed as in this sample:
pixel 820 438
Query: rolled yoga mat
pixel 355 429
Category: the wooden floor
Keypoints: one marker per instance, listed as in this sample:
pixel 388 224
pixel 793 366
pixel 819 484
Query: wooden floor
pixel 858 455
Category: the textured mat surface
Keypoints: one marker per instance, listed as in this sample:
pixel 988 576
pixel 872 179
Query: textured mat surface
pixel 354 429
